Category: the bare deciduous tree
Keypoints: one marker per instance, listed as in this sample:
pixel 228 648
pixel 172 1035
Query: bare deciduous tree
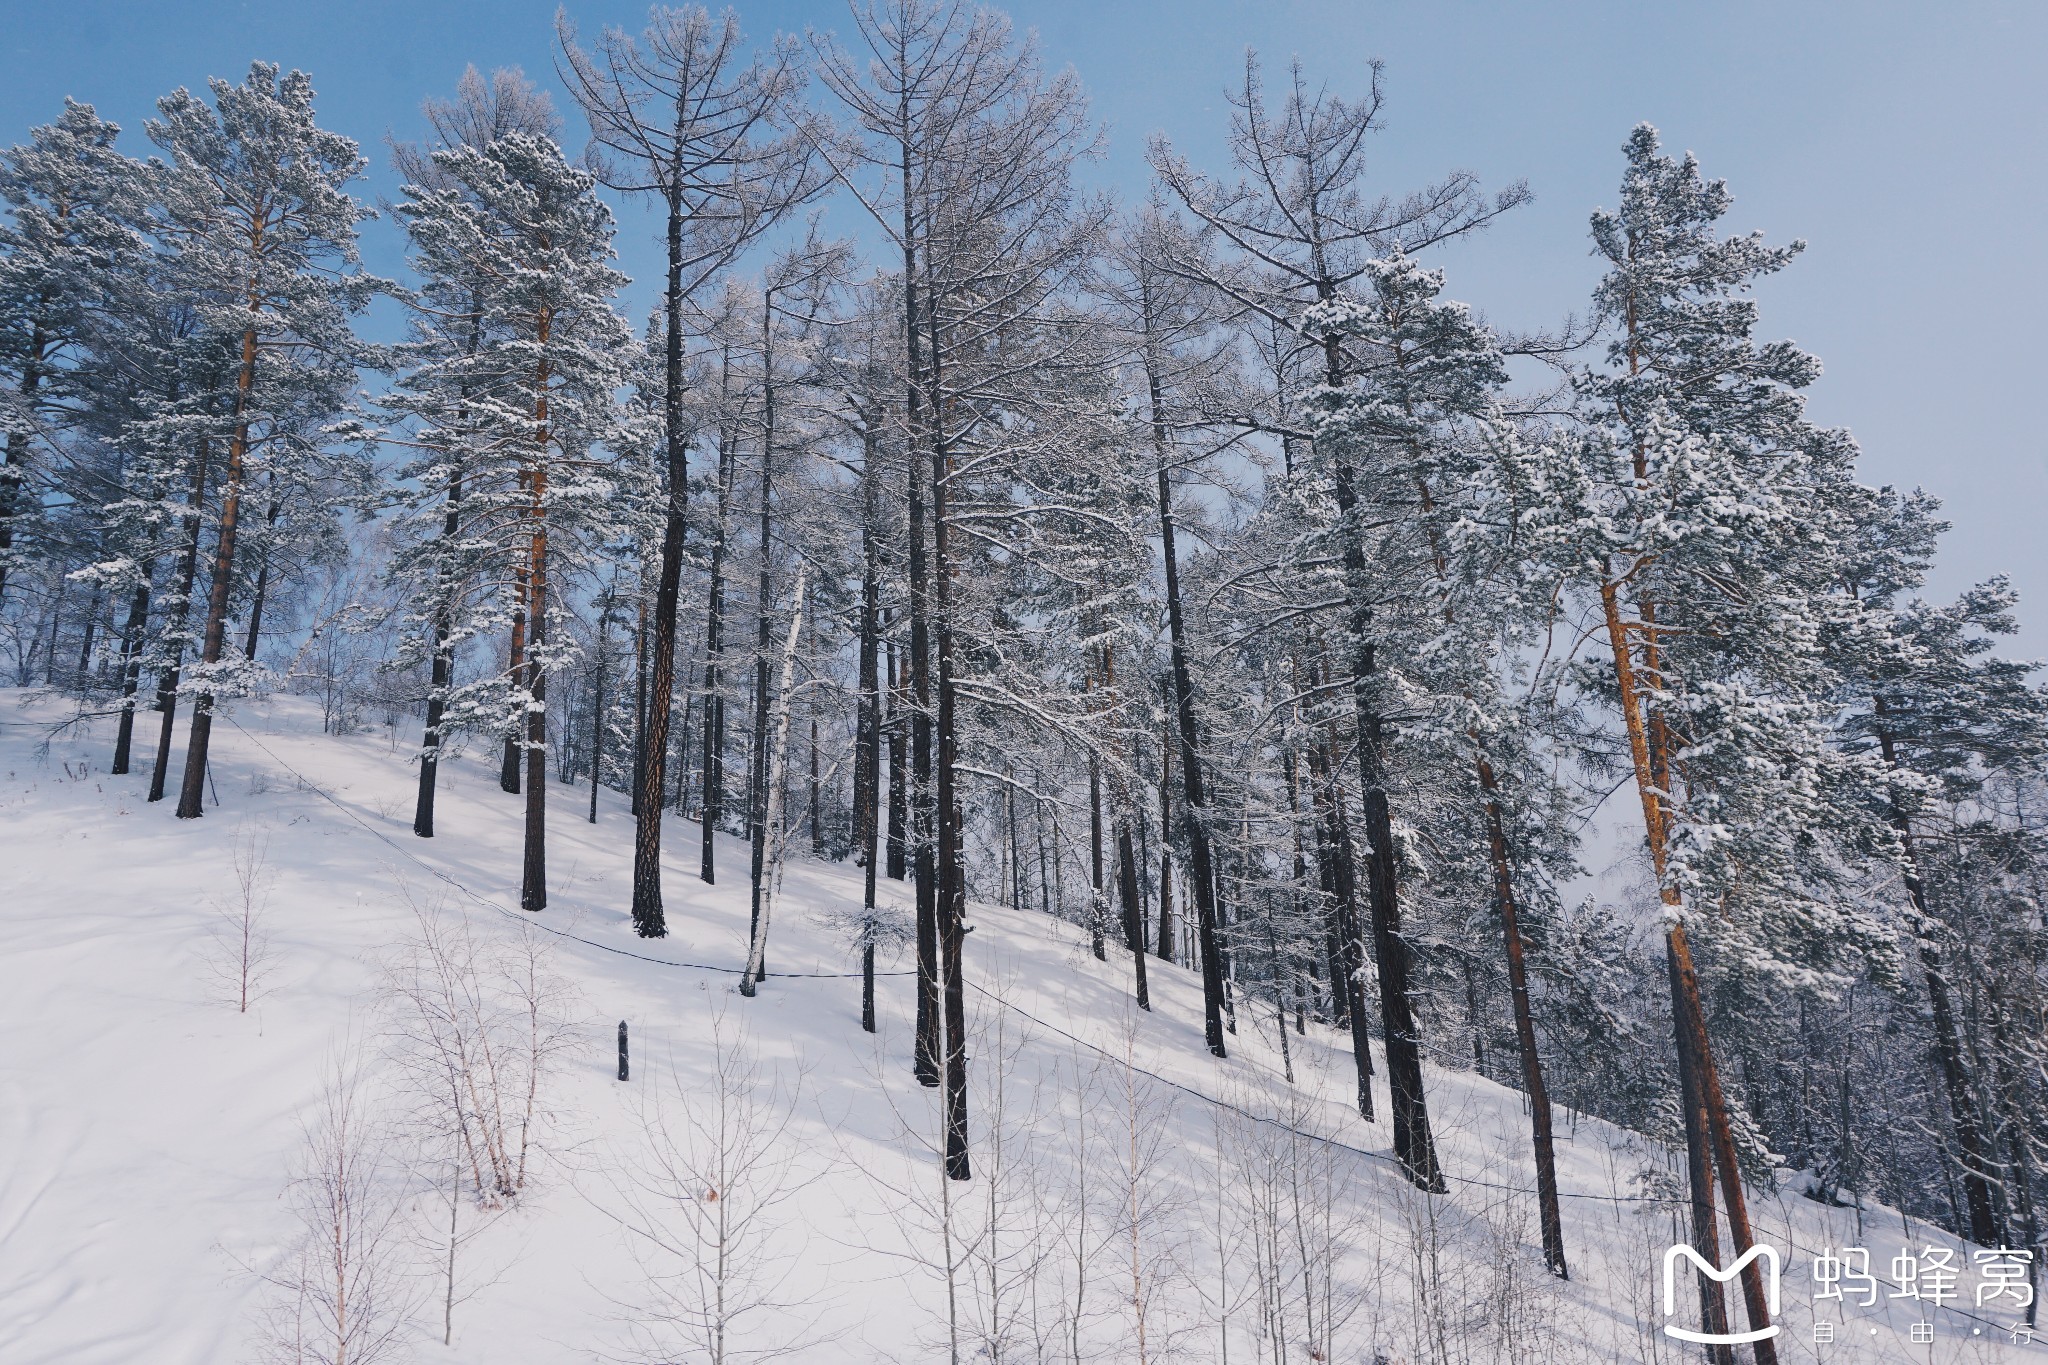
pixel 477 1025
pixel 240 957
pixel 341 1296
pixel 706 1203
pixel 677 113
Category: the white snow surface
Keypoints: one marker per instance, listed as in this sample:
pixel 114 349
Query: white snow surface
pixel 149 1132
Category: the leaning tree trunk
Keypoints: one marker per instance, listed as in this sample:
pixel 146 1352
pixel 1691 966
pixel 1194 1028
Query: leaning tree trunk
pixel 1706 1235
pixel 131 672
pixel 1347 960
pixel 1955 1072
pixel 1541 1138
pixel 176 620
pixel 1195 800
pixel 441 674
pixel 11 472
pixel 1650 755
pixel 1649 749
pixel 192 791
pixel 1542 1143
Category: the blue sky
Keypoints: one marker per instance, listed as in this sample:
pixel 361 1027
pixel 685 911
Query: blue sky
pixel 1905 143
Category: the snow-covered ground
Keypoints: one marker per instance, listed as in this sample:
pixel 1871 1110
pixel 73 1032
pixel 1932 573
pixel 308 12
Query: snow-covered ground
pixel 150 1133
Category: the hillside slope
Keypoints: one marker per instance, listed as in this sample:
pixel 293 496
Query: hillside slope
pixel 149 1132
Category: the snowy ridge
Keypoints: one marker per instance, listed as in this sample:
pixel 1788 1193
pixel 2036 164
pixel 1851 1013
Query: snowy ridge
pixel 147 1130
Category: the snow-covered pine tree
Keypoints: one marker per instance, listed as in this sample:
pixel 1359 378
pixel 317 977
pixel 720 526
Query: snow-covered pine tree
pixel 1303 232
pixel 72 204
pixel 262 232
pixel 1700 520
pixel 1419 424
pixel 522 237
pixel 1168 319
pixel 436 570
pixel 1924 693
pixel 173 445
pixel 84 346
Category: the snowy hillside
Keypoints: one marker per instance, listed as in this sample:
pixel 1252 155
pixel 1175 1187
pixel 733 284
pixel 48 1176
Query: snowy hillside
pixel 150 1133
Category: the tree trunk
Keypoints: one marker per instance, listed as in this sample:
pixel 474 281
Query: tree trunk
pixel 640 707
pixel 867 987
pixel 648 917
pixel 1194 805
pixel 925 1054
pixel 17 442
pixel 1134 908
pixel 192 791
pixel 515 668
pixel 1706 1236
pixel 131 673
pixel 867 771
pixel 441 671
pixel 815 812
pixel 604 618
pixel 262 582
pixel 681 757
pixel 714 655
pixel 951 908
pixel 1648 752
pixel 188 577
pixel 92 621
pixel 1955 1072
pixel 774 816
pixel 441 674
pixel 1096 889
pixel 56 628
pixel 1347 964
pixel 1722 1142
pixel 896 848
pixel 758 778
pixel 1167 931
pixel 533 888
pixel 1012 850
pixel 1541 1139
pixel 1413 1142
